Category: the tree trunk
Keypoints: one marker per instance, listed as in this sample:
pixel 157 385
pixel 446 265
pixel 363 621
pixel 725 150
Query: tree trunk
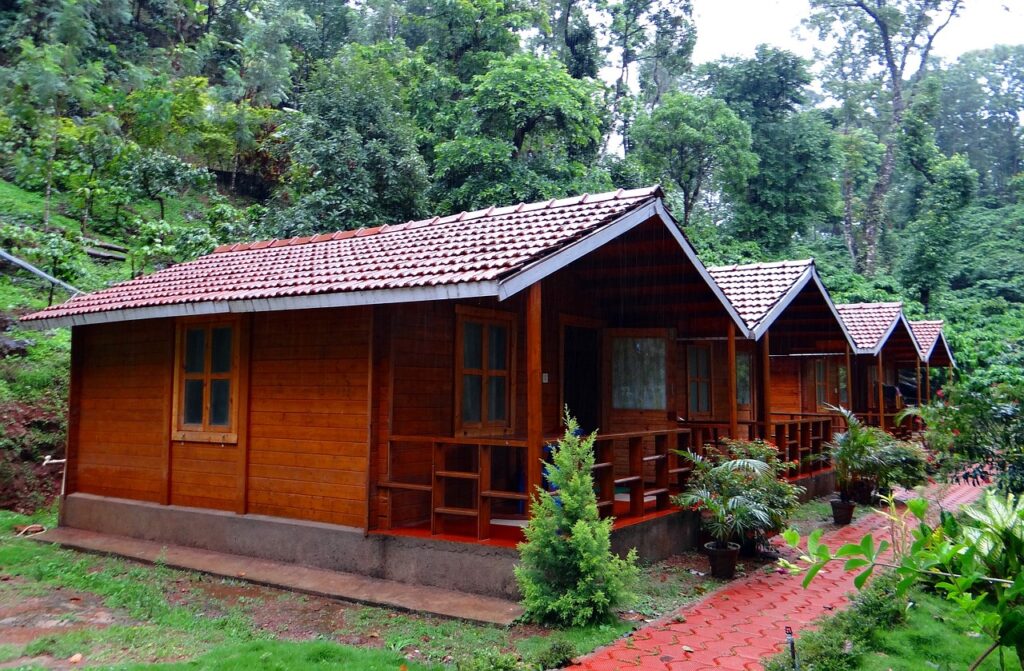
pixel 50 160
pixel 85 217
pixel 874 212
pixel 848 233
pixel 161 201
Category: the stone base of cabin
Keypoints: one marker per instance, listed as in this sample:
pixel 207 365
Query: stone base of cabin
pixel 477 568
pixel 818 484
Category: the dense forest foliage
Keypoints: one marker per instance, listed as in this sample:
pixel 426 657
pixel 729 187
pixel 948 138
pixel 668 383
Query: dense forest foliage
pixel 168 126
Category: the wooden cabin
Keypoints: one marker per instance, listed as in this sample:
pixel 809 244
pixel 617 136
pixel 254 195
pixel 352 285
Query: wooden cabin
pixel 886 354
pixel 779 381
pixel 934 352
pixel 371 400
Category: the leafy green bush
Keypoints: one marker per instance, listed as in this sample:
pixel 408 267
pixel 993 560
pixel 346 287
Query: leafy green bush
pixel 841 640
pixel 492 660
pixel 978 430
pixel 567 572
pixel 901 463
pixel 556 654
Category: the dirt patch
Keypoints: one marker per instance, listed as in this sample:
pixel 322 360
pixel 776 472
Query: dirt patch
pixel 27 432
pixel 286 615
pixel 27 613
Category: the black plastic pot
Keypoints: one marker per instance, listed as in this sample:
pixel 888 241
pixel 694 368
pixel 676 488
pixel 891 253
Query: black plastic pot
pixel 748 546
pixel 723 560
pixel 842 511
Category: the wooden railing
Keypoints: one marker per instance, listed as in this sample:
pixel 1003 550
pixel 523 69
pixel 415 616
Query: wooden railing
pixel 899 429
pixel 458 477
pixel 645 463
pixel 800 437
pixel 462 483
pixel 801 440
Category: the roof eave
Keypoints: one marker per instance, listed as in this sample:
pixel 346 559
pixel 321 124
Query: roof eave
pixel 550 264
pixel 780 306
pixel 481 289
pixel 877 349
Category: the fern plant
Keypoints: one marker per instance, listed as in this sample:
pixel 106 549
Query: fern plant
pixel 567 573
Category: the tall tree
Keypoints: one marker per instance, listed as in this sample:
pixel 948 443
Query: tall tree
pixel 528 130
pixel 696 145
pixel 795 185
pixel 979 113
pixel 899 35
pixel 653 41
pixel 352 150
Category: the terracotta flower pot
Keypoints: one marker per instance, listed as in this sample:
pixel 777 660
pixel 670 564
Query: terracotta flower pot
pixel 723 560
pixel 842 511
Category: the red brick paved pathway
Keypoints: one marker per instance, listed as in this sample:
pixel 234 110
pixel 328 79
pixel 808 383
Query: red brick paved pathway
pixel 736 626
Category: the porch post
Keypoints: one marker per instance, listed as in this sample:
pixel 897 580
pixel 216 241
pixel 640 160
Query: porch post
pixel 919 382
pixel 734 422
pixel 849 380
pixel 534 389
pixel 881 393
pixel 928 379
pixel 766 388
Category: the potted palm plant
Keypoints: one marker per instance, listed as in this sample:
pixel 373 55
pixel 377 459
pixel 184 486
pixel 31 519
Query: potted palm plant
pixel 727 516
pixel 854 458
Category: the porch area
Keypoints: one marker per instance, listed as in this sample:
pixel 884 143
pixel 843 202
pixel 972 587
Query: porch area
pixel 476 487
pixel 472 406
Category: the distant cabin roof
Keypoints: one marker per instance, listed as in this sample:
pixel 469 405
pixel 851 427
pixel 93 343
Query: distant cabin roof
pixel 756 289
pixel 926 333
pixel 492 252
pixel 870 324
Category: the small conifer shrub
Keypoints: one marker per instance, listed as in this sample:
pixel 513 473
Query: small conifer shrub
pixel 568 574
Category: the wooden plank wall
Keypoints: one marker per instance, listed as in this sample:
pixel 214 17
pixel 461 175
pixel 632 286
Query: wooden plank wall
pixel 309 415
pixel 123 425
pixel 416 399
pixel 786 385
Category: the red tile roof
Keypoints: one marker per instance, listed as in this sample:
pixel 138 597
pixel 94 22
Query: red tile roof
pixel 926 333
pixel 869 323
pixel 754 289
pixel 470 247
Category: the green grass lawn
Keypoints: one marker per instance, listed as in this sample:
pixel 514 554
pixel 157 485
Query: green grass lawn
pixel 290 656
pixel 169 617
pixel 29 206
pixel 817 513
pixel 935 636
pixel 882 631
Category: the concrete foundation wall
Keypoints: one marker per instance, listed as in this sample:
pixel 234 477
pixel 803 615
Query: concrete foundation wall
pixel 468 567
pixel 819 484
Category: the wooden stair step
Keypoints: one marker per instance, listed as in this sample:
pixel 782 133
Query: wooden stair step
pixel 411 486
pixel 512 496
pixel 463 475
pixel 465 512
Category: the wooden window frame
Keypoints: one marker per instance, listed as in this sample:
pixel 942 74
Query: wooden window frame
pixel 822 397
pixel 690 379
pixel 749 358
pixel 486 318
pixel 206 433
pixel 842 385
pixel 609 336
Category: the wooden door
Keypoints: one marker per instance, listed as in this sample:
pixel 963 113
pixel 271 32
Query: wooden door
pixel 582 380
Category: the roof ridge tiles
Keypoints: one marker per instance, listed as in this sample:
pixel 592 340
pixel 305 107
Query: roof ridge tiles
pixel 484 213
